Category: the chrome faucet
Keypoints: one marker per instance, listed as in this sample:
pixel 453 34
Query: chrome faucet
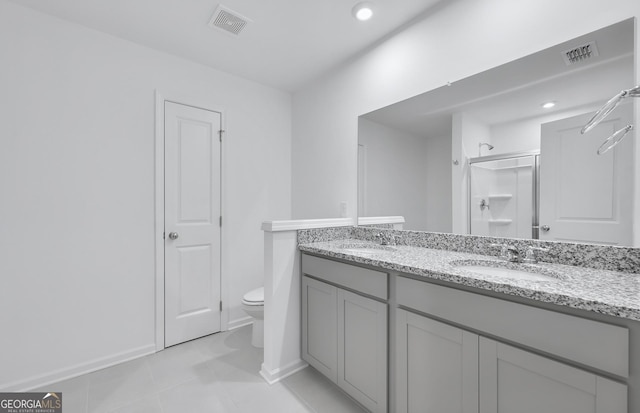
pixel 386 238
pixel 511 253
pixel 530 256
pixel 508 252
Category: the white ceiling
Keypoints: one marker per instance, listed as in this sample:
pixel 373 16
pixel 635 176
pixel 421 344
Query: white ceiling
pixel 288 43
pixel 516 90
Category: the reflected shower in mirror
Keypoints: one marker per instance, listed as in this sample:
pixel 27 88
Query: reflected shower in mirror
pixel 503 192
pixel 414 155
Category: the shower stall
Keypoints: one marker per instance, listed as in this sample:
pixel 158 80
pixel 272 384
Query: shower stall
pixel 503 195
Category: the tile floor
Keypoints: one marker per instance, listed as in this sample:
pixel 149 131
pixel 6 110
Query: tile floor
pixel 217 373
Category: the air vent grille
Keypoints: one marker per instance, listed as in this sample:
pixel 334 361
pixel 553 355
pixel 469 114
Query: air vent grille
pixel 580 53
pixel 228 20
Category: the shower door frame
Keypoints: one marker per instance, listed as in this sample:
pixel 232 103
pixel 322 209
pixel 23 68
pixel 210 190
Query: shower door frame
pixel 535 207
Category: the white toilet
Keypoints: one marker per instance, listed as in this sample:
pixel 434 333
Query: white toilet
pixel 253 304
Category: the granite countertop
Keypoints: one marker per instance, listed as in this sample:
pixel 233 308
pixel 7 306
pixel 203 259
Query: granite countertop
pixel 601 291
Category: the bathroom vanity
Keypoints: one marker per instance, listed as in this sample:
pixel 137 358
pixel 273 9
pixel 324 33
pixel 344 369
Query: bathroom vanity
pixel 344 329
pixel 408 329
pixel 411 321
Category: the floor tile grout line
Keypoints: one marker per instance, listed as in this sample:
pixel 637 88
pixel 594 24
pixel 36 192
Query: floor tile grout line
pixel 86 398
pixel 300 398
pixel 155 382
pixel 160 403
pixel 150 370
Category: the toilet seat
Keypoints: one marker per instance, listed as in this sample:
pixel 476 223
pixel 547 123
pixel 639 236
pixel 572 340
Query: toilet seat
pixel 254 297
pixel 253 305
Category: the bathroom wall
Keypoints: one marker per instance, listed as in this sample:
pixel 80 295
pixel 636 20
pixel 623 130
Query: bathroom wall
pixel 438 184
pixel 467 133
pixel 452 41
pixel 77 185
pixel 396 173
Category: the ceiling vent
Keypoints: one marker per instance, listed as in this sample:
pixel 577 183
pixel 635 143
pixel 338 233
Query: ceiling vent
pixel 580 53
pixel 228 20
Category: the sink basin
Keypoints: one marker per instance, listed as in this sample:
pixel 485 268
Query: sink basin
pixel 507 270
pixel 365 248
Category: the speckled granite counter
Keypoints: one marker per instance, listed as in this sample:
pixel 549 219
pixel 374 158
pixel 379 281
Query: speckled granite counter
pixel 598 290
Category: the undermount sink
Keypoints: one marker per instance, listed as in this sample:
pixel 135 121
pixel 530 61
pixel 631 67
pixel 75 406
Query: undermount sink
pixel 507 270
pixel 364 248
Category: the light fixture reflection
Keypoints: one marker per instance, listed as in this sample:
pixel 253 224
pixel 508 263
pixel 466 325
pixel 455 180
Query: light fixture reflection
pixel 548 105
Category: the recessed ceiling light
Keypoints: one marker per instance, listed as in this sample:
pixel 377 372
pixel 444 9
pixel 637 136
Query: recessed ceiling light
pixel 548 105
pixel 363 10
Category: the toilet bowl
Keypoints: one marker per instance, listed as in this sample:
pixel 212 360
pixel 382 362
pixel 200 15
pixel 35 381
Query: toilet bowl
pixel 253 304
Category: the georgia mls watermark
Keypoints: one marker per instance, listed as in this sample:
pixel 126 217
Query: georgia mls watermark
pixel 30 402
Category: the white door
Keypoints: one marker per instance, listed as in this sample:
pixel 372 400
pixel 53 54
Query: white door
pixel 192 223
pixel 585 197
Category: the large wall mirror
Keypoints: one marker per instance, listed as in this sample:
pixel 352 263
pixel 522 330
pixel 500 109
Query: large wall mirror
pixel 486 156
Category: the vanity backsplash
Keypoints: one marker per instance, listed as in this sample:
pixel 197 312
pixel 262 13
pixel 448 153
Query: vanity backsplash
pixel 614 258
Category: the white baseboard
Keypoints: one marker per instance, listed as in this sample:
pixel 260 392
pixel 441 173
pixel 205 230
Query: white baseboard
pixel 239 322
pixel 274 376
pixel 77 370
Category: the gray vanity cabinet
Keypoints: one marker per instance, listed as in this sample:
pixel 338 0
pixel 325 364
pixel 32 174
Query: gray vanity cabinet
pixel 435 361
pixel 345 333
pixel 362 349
pixel 441 368
pixel 516 381
pixel 320 326
pixel 436 366
pixel 449 347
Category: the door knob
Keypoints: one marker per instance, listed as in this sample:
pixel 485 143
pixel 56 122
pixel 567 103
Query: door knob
pixel 173 235
pixel 545 228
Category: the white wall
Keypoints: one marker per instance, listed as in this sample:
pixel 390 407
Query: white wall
pixel 77 188
pixel 396 174
pixel 467 134
pixel 474 132
pixel 439 184
pixel 457 39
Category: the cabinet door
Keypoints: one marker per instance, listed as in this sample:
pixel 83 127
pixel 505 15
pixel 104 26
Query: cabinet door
pixel 320 326
pixel 362 349
pixel 437 366
pixel 516 381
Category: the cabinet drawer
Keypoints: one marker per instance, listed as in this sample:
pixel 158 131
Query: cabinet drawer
pixel 592 343
pixel 363 280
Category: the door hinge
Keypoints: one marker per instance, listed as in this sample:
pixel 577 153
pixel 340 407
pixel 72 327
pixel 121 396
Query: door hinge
pixel 220 306
pixel 220 132
pixel 164 235
pixel 220 220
